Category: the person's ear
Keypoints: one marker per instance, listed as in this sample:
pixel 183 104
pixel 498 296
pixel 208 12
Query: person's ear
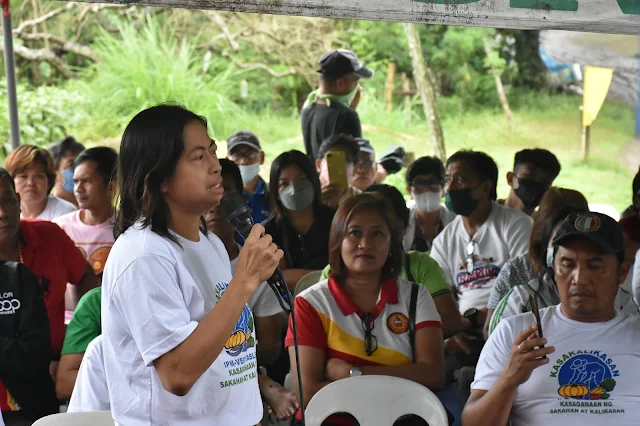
pixel 318 166
pixel 409 191
pixel 111 189
pixel 261 157
pixel 510 178
pixel 623 272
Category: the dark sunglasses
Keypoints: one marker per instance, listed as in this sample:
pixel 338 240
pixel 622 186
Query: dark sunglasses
pixel 370 341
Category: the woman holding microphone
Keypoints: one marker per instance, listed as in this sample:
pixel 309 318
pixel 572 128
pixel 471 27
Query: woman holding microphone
pixel 179 338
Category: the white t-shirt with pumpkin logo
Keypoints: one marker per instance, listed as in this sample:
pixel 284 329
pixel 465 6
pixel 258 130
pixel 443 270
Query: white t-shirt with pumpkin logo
pixel 154 293
pixel 504 235
pixel 592 377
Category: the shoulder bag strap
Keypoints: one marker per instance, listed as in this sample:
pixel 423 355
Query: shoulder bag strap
pixel 407 268
pixel 412 316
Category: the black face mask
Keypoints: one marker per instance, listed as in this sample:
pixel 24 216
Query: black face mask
pixel 530 192
pixel 461 201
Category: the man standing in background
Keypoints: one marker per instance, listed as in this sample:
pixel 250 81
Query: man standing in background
pixel 331 109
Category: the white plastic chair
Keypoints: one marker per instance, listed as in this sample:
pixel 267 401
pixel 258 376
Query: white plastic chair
pixel 307 281
pixel 376 401
pixel 89 418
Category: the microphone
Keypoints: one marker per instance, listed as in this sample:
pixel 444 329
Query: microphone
pixel 238 214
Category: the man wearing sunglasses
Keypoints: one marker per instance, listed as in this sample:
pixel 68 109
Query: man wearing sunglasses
pixel 584 371
pixel 472 249
pixel 534 171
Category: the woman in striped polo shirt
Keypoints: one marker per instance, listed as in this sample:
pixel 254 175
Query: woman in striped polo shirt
pixel 358 321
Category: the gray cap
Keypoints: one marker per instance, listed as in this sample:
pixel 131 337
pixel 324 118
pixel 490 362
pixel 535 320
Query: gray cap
pixel 243 137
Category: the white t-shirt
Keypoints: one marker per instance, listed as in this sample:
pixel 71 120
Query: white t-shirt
pixel 56 207
pixel 592 377
pixel 503 236
pixel 263 302
pixel 153 295
pixel 90 391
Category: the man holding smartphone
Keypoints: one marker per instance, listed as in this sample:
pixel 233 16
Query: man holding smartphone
pixel 586 366
pixel 337 158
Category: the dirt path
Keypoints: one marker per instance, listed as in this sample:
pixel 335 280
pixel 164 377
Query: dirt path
pixel 606 50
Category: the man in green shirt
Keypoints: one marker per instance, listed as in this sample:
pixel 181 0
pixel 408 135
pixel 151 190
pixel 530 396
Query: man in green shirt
pixel 83 328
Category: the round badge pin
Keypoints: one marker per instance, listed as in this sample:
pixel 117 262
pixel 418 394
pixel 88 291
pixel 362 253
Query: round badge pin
pixel 398 323
pixel 587 223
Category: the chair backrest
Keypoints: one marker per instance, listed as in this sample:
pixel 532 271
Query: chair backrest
pixel 307 281
pixel 91 418
pixel 376 401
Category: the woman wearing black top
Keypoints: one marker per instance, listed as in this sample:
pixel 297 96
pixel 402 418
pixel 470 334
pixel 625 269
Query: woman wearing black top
pixel 302 223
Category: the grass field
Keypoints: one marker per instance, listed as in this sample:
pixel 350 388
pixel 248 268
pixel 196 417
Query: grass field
pixel 540 121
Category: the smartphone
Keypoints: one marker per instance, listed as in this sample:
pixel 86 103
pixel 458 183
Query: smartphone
pixel 409 157
pixel 533 298
pixel 337 168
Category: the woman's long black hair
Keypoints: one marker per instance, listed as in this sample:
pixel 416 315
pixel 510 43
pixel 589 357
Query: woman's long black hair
pixel 151 146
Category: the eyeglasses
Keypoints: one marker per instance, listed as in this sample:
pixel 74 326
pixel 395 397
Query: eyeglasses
pixel 364 164
pixel 423 186
pixel 244 155
pixel 471 249
pixel 370 341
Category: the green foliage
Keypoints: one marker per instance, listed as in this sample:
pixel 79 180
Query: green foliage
pixel 608 384
pixel 46 113
pixel 148 65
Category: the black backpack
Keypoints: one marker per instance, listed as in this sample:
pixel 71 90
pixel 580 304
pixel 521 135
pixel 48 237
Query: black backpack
pixel 25 342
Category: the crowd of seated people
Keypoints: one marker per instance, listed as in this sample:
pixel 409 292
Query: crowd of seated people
pixel 441 293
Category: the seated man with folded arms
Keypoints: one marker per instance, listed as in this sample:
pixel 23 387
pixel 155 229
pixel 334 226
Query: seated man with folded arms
pixel 584 371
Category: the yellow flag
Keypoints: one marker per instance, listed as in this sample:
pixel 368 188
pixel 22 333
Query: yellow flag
pixel 596 86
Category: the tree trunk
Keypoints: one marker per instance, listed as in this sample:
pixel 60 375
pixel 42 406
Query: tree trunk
pixel 531 69
pixel 427 91
pixel 499 88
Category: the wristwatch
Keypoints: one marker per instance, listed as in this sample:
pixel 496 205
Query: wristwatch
pixel 472 316
pixel 355 371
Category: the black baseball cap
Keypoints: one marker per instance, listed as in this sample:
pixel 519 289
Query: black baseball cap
pixel 243 137
pixel 599 228
pixel 365 146
pixel 341 62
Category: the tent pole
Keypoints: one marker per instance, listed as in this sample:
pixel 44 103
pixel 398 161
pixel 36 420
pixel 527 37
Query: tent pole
pixel 10 70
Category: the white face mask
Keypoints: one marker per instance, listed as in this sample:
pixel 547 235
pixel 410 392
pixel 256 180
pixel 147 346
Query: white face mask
pixel 249 172
pixel 427 201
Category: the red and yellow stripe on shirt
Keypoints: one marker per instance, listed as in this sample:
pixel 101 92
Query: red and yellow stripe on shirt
pixel 328 319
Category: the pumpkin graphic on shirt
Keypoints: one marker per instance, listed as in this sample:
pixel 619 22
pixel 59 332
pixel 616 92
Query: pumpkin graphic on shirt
pixel 586 375
pixel 242 337
pixel 98 259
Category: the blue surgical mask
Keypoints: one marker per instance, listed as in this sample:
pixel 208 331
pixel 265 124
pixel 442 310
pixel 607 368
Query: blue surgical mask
pixel 68 180
pixel 249 172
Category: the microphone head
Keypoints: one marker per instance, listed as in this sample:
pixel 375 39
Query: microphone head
pixel 237 212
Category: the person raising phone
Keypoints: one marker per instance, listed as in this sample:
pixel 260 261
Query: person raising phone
pixel 593 349
pixel 179 338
